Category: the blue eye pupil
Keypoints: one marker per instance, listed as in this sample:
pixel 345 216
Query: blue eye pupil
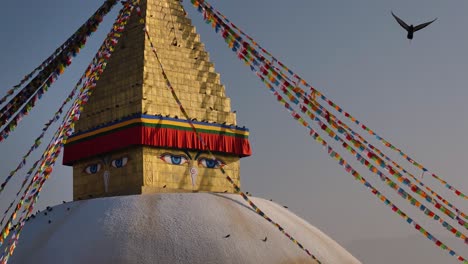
pixel 118 163
pixel 176 160
pixel 210 163
pixel 93 168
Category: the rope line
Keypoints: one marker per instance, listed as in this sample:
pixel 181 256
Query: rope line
pixel 53 150
pixel 332 153
pixel 236 187
pixel 59 50
pixel 275 78
pixel 371 168
pixel 314 93
pixel 39 85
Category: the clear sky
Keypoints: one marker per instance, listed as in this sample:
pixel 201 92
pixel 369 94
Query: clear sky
pixel 412 93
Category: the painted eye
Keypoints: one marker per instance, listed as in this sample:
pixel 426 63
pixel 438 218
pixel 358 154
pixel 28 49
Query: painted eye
pixel 119 163
pixel 93 168
pixel 174 159
pixel 211 163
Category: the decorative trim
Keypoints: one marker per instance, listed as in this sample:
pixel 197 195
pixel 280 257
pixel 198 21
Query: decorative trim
pixel 156 131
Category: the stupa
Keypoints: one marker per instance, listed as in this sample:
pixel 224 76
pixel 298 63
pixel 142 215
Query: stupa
pixel 145 189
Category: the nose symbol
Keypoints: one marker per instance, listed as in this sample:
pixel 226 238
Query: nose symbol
pixel 193 175
pixel 106 177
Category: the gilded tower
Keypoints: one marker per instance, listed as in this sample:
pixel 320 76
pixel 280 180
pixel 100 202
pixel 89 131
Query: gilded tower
pixel 132 137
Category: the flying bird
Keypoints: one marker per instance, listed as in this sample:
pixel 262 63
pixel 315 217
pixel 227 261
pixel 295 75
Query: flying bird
pixel 228 235
pixel 411 29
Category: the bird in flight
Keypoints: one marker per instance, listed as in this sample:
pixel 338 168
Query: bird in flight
pixel 411 29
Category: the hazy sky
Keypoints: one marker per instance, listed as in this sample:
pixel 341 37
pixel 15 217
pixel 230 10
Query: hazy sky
pixel 412 93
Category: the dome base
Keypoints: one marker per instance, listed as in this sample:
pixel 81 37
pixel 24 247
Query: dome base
pixel 171 228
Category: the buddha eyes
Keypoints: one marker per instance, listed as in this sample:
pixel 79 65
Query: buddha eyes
pixel 93 168
pixel 211 163
pixel 183 159
pixel 96 167
pixel 174 159
pixel 120 162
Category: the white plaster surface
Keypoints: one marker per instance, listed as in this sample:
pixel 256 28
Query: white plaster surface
pixel 171 228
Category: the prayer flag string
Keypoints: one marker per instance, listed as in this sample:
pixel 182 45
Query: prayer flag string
pixel 315 93
pixel 335 155
pixel 271 81
pixel 105 8
pixel 27 106
pixel 341 125
pixel 236 187
pixel 313 133
pixel 37 141
pixel 388 144
pixel 29 76
pixel 53 150
pixel 39 85
pixel 270 73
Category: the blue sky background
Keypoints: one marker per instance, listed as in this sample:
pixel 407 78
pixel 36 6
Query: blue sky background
pixel 412 93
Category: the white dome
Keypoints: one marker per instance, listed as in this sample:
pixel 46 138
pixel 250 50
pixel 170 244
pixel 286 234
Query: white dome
pixel 171 228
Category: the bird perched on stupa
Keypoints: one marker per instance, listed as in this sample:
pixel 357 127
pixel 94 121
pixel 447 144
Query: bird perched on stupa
pixel 411 29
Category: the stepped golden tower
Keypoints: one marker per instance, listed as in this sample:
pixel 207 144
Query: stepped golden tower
pixel 132 137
